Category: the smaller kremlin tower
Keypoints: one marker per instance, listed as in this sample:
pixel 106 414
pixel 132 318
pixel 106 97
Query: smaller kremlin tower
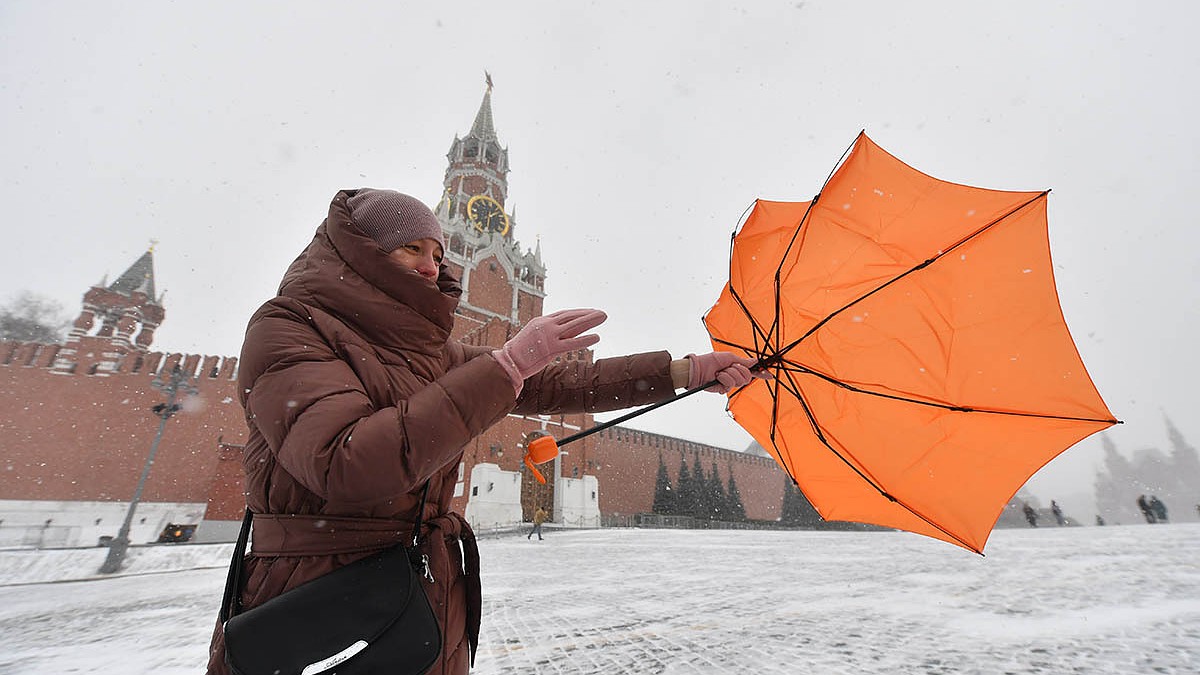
pixel 127 311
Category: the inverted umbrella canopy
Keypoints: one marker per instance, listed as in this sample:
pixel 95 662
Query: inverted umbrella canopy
pixel 923 370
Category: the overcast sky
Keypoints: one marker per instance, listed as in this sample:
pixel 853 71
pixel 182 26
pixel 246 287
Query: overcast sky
pixel 638 134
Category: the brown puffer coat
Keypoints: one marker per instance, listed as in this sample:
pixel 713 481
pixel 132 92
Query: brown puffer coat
pixel 355 396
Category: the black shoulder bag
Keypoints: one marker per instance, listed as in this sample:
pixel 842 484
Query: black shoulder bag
pixel 370 616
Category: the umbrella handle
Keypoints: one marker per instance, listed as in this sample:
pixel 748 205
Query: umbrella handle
pixel 539 448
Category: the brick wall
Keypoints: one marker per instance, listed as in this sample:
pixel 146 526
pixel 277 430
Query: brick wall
pixel 86 437
pixel 490 287
pixel 79 437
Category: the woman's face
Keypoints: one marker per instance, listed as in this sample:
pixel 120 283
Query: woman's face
pixel 421 256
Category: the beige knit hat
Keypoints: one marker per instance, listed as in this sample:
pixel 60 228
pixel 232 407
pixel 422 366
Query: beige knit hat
pixel 393 219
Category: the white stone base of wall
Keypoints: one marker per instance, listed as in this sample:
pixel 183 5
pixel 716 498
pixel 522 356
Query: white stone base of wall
pixel 495 498
pixel 217 531
pixel 70 524
pixel 577 502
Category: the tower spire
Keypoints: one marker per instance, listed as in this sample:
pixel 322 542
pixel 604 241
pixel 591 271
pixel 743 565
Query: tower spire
pixel 138 278
pixel 500 283
pixel 484 128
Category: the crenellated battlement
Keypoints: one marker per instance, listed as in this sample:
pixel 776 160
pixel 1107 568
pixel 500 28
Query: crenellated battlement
pixel 63 360
pixel 661 443
pixel 27 354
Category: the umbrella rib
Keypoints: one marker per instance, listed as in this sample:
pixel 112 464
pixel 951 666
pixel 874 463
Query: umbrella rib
pixel 778 280
pixel 916 268
pixel 981 230
pixel 756 328
pixel 800 229
pixel 776 383
pixel 820 434
pixel 795 367
pixel 781 364
pixel 812 420
pixel 783 258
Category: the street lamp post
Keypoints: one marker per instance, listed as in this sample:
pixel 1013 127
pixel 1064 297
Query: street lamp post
pixel 175 384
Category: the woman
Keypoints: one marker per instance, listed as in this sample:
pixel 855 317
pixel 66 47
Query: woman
pixel 356 396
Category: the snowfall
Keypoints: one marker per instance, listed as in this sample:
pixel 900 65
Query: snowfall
pixel 1117 599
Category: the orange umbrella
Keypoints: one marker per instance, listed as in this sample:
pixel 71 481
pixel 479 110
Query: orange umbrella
pixel 922 367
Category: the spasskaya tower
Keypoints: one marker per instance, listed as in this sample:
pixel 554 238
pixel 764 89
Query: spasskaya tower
pixel 503 287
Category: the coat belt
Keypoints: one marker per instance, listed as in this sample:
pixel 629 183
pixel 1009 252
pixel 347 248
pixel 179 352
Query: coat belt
pixel 279 535
pixel 453 526
pixel 294 535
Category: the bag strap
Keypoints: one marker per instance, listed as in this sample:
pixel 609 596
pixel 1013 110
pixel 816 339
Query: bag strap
pixel 231 603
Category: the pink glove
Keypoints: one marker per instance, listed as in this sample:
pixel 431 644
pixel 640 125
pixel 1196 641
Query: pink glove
pixel 728 370
pixel 544 338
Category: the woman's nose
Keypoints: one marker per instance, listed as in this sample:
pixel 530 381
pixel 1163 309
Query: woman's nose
pixel 427 267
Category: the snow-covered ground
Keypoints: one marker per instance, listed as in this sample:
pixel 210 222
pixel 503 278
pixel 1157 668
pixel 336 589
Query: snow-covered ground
pixel 1050 600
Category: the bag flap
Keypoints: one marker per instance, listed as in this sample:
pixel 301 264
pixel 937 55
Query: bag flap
pixel 323 618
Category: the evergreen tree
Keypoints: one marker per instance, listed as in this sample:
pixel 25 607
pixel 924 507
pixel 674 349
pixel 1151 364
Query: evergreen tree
pixel 684 490
pixel 664 496
pixel 736 508
pixel 797 511
pixel 717 496
pixel 788 512
pixel 701 499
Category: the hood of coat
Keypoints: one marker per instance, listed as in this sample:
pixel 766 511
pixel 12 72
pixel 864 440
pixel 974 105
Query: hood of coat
pixel 344 272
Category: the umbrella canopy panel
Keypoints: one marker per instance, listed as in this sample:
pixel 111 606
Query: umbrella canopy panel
pixel 923 368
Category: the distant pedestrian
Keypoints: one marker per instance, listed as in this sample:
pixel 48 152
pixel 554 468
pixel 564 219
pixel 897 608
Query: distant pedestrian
pixel 1147 511
pixel 1058 515
pixel 1030 515
pixel 539 517
pixel 1159 509
pixel 1100 520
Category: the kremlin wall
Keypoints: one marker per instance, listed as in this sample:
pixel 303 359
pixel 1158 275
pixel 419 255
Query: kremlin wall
pixel 78 420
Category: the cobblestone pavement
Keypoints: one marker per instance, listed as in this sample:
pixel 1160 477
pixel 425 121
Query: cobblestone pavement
pixel 1078 600
pixel 1106 600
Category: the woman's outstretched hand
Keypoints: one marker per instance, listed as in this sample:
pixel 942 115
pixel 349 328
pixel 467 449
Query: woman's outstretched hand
pixel 730 371
pixel 545 338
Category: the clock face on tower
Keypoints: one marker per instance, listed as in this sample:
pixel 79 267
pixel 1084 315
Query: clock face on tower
pixel 487 215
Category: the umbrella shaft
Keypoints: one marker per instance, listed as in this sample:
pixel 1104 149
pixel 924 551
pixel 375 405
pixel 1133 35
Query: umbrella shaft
pixel 623 418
